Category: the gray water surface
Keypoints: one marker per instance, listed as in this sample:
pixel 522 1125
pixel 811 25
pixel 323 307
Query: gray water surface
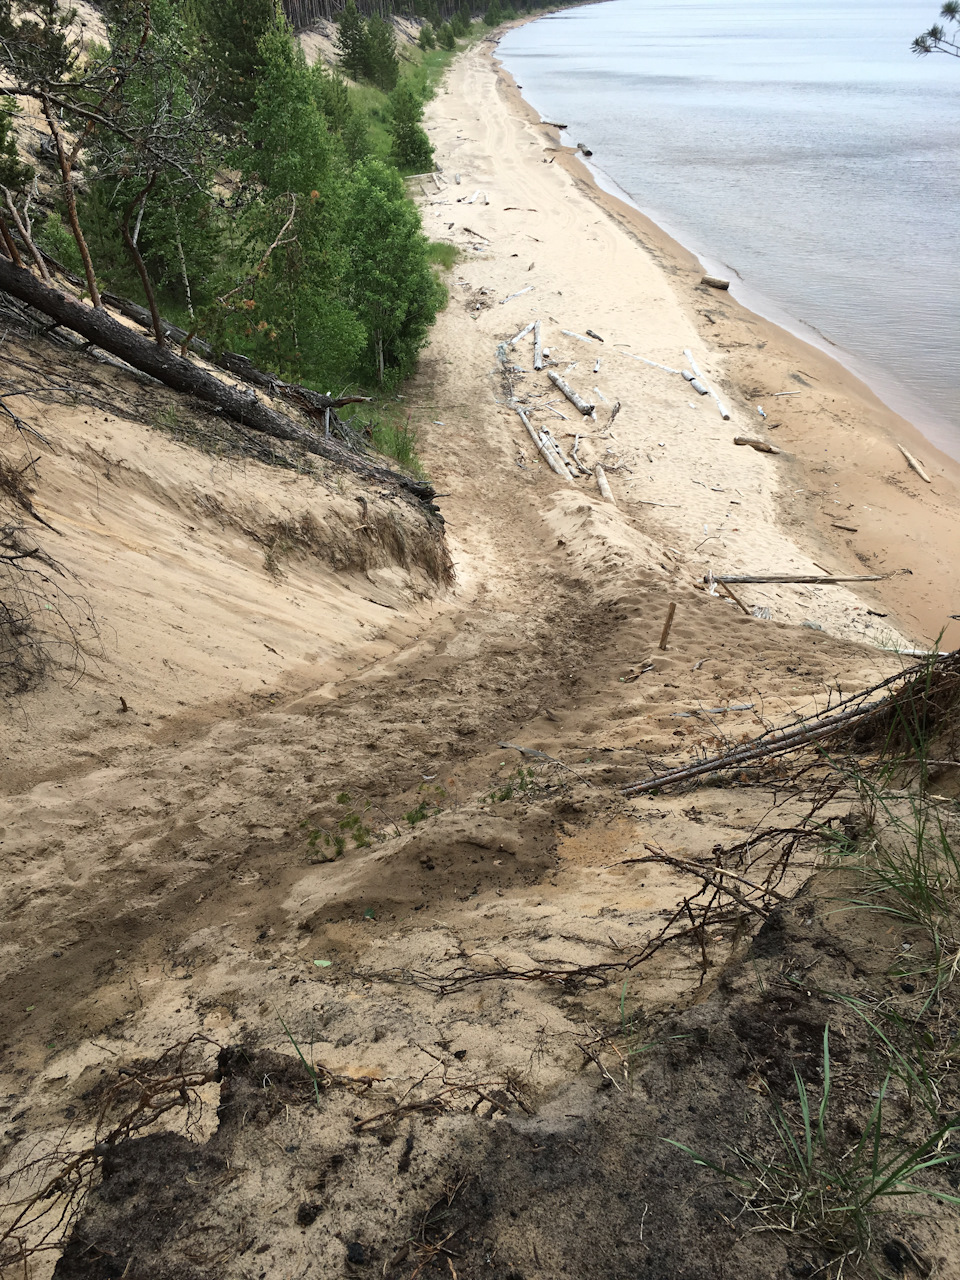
pixel 795 143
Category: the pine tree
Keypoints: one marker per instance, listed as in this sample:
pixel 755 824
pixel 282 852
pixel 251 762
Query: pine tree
pixel 292 313
pixel 493 17
pixel 426 39
pixel 14 174
pixel 383 64
pixel 411 147
pixel 353 43
pixel 394 291
pixel 230 32
pixel 446 38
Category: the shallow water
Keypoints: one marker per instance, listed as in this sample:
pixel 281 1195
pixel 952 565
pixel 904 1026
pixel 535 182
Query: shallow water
pixel 799 146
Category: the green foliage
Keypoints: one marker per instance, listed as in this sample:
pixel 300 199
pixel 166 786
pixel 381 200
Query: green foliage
pixel 353 43
pixel 397 440
pixel 55 238
pixel 426 38
pixel 383 67
pixel 411 147
pixel 394 293
pixel 941 39
pixel 329 843
pixel 14 174
pixel 256 198
pixel 446 38
pixel 519 782
pixel 443 254
pixel 494 15
pixel 230 33
pixel 818 1185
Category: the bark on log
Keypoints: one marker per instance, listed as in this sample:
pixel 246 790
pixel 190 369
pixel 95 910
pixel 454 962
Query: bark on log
pixel 99 327
pixel 761 446
pixel 715 282
pixel 577 401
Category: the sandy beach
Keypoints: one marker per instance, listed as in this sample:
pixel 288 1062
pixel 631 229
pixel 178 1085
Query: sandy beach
pixel 839 497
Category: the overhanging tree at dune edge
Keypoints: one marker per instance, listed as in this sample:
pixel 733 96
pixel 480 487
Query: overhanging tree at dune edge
pixel 940 39
pixel 219 185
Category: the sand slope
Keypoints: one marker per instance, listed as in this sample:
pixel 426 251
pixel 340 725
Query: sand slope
pixel 161 877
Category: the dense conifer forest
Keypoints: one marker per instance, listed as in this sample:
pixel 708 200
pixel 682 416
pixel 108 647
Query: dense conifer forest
pixel 193 160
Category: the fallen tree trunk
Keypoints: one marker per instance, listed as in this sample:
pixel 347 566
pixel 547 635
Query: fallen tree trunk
pixel 240 366
pixel 823 579
pixel 577 401
pixel 546 452
pixel 603 484
pixel 181 374
pixel 761 446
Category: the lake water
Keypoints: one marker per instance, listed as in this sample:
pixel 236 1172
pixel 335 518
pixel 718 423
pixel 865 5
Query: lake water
pixel 797 145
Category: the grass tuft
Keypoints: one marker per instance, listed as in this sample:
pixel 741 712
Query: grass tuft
pixel 814 1185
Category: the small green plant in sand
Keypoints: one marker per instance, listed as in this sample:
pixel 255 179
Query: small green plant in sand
pixel 428 806
pixel 816 1185
pixel 442 254
pixel 307 1066
pixel 396 437
pixel 329 844
pixel 517 783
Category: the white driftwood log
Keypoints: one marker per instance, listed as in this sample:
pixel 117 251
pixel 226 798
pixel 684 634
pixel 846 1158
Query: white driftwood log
pixel 577 401
pixel 519 293
pixel 821 579
pixel 547 436
pixel 699 387
pixel 548 455
pixel 537 347
pixel 522 334
pixel 715 282
pixel 603 484
pixel 652 363
pixel 914 464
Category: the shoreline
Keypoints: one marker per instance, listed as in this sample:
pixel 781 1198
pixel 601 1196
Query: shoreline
pixel 907 404
pixel 837 426
pixel 888 391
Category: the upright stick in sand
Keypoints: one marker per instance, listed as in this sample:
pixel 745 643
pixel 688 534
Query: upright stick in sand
pixel 665 633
